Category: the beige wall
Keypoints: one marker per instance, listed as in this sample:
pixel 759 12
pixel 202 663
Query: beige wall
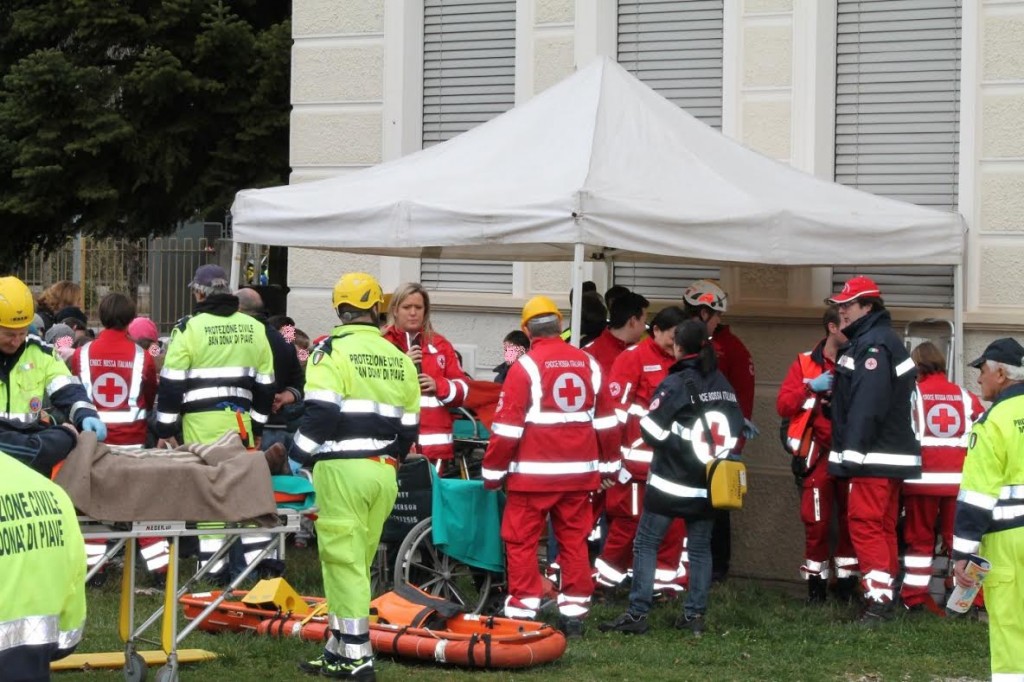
pixel 777 101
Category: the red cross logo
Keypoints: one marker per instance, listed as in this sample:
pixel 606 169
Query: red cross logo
pixel 943 420
pixel 721 439
pixel 110 390
pixel 570 392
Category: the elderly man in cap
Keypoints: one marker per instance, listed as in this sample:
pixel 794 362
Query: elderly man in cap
pixel 218 376
pixel 873 439
pixel 990 506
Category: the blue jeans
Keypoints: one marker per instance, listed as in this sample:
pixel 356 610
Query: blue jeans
pixel 649 533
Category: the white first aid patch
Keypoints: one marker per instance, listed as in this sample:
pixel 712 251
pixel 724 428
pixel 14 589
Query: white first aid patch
pixel 110 390
pixel 615 389
pixel 570 392
pixel 943 421
pixel 870 363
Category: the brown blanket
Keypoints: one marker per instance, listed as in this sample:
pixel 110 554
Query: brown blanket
pixel 220 481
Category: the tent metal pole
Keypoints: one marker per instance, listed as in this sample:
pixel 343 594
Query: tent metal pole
pixel 958 323
pixel 236 264
pixel 575 318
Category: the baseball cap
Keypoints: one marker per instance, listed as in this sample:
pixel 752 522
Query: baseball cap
pixel 1005 350
pixel 143 328
pixel 854 288
pixel 209 275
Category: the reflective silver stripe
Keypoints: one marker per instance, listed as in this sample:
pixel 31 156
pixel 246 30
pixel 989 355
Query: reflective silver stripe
pixel 636 454
pixel 674 489
pixel 135 390
pixel 265 379
pixel 595 375
pixel 621 415
pixel 1008 513
pixel 602 423
pixel 492 474
pixel 155 549
pixel 1011 492
pixel 435 439
pixel 304 443
pixel 538 417
pixel 452 392
pixel 258 417
pixel 847 362
pixel 917 579
pixel 166 417
pixel 411 418
pixel 930 478
pixel 220 373
pixel 936 442
pixel 26 417
pixel 80 405
pixel 609 467
pixel 353 444
pixel 553 468
pixel 324 397
pixel 122 416
pixel 67 639
pixel 30 631
pixel 61 382
pixel 917 561
pixel 371 407
pixel 648 425
pixel 904 367
pixel 808 404
pixel 429 401
pixel 173 374
pixel 606 571
pixel 216 392
pixel 507 430
pixel 84 372
pixel 964 545
pixel 349 626
pixel 637 409
pixel 536 395
pixel 975 499
pixel 878 458
pixel 350 651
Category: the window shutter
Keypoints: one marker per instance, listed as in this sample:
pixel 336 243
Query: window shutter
pixel 916 286
pixel 898 121
pixel 675 47
pixel 660 280
pixel 469 53
pixel 445 274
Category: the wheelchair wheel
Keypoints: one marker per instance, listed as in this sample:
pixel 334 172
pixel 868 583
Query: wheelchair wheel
pixel 421 564
pixel 380 579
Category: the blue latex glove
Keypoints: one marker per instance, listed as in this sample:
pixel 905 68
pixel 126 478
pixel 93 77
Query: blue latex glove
pixel 749 430
pixel 821 383
pixel 96 426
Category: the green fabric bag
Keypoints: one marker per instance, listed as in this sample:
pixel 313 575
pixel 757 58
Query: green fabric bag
pixel 467 522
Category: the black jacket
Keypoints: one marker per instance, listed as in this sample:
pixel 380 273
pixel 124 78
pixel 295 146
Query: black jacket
pixel 872 431
pixel 288 376
pixel 677 483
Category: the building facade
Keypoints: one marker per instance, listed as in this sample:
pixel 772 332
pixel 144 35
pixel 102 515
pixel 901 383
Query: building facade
pixel 921 100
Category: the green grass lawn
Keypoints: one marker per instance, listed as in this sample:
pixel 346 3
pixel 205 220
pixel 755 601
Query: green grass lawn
pixel 755 632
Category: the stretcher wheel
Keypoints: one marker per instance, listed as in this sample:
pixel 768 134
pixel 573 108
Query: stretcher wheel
pixel 421 564
pixel 134 667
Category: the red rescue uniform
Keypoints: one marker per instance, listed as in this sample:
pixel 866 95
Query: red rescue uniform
pixel 551 443
pixel 442 365
pixel 632 382
pixel 943 419
pixel 822 492
pixel 120 378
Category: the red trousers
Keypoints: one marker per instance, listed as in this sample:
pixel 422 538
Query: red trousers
pixel 873 509
pixel 624 503
pixel 521 528
pixel 824 495
pixel 925 515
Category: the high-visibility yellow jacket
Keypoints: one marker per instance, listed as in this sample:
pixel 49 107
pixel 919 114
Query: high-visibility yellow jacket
pixel 31 376
pixel 42 561
pixel 218 368
pixel 362 398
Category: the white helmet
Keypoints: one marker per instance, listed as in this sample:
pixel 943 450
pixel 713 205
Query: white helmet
pixel 704 292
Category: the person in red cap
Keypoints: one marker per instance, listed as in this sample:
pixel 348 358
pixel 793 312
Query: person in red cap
pixel 873 439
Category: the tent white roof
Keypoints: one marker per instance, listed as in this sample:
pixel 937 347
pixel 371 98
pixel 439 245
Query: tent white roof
pixel 603 160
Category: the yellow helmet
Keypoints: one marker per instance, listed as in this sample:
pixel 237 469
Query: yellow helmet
pixel 16 305
pixel 540 305
pixel 358 290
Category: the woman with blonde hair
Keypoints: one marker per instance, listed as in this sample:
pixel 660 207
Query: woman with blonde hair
pixel 56 297
pixel 442 382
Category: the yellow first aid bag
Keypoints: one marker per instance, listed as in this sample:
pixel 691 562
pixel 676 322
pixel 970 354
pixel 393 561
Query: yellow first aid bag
pixel 727 482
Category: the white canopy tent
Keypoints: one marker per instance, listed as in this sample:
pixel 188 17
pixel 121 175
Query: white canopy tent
pixel 598 166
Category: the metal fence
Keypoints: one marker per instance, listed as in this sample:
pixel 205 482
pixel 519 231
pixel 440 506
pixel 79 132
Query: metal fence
pixel 155 273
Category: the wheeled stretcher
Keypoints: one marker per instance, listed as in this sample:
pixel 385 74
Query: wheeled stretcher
pixel 126 536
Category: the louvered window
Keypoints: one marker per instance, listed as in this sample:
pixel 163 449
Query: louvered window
pixel 675 47
pixel 898 120
pixel 659 280
pixel 445 274
pixel 469 51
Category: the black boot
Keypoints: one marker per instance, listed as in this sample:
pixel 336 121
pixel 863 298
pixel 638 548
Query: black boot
pixel 817 588
pixel 848 589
